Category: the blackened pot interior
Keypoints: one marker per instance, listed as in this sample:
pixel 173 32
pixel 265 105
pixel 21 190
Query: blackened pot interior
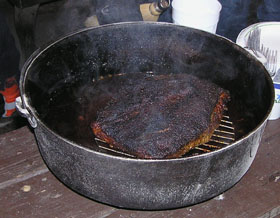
pixel 59 82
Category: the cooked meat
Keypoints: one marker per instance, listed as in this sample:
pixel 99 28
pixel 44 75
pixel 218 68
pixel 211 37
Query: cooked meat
pixel 160 116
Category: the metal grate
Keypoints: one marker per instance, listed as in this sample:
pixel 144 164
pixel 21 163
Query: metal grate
pixel 223 136
pixel 103 147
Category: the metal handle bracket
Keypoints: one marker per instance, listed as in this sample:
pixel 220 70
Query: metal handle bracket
pixel 25 113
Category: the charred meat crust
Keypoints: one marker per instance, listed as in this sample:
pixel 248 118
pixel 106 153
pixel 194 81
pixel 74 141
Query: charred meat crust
pixel 160 116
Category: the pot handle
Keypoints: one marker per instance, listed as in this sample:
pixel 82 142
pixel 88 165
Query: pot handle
pixel 24 113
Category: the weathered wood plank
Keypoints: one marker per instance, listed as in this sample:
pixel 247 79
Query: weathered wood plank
pixel 19 156
pixel 44 196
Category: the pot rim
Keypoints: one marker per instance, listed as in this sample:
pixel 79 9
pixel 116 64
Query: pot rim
pixel 33 113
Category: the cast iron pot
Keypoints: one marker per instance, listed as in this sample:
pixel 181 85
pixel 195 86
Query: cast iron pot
pixel 57 87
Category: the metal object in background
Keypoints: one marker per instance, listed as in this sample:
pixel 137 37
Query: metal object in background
pixel 253 42
pixel 151 11
pixel 271 63
pixel 158 7
pixel 56 89
pixel 266 55
pixel 254 46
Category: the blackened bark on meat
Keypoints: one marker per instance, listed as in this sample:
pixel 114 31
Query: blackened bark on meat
pixel 160 116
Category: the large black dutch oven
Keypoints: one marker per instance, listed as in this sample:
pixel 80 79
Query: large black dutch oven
pixel 57 92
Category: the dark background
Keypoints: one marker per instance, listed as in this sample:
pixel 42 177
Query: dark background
pixel 39 24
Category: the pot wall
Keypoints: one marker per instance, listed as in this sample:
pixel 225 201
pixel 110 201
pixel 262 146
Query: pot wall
pixel 142 184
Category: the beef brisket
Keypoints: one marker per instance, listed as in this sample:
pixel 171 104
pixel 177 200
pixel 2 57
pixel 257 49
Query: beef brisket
pixel 159 116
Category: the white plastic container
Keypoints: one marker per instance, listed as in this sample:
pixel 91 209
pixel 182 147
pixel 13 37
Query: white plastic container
pixel 269 38
pixel 200 14
pixel 275 113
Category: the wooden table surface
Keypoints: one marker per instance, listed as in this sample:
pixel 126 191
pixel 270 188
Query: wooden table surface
pixel 28 189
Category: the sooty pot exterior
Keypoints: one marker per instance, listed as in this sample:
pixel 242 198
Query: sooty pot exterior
pixel 146 184
pixel 78 59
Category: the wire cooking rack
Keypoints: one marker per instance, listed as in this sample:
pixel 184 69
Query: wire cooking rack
pixel 223 136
